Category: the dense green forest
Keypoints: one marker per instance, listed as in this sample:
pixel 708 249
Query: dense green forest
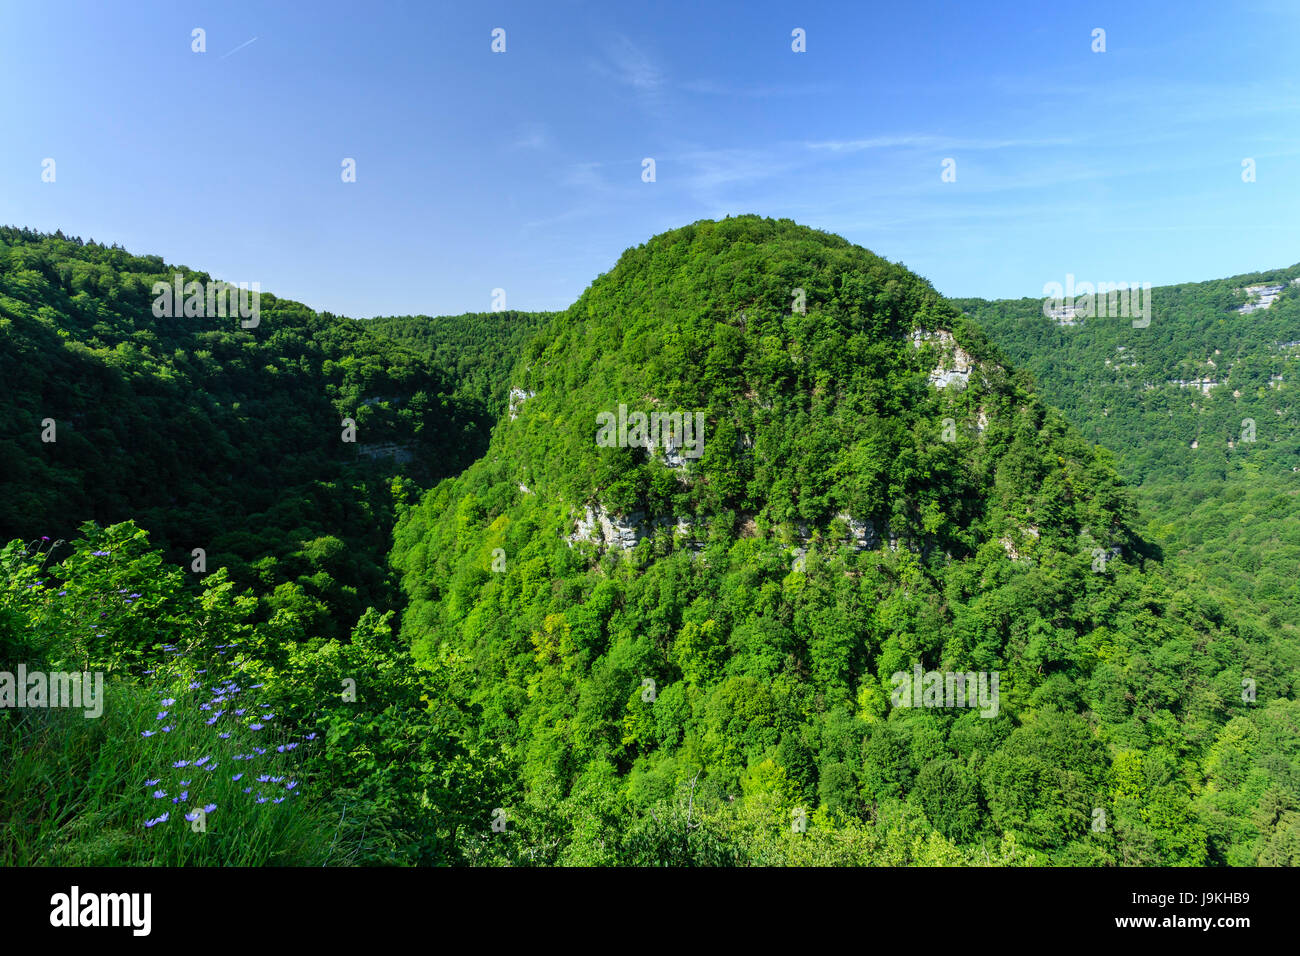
pixel 476 350
pixel 1121 688
pixel 214 436
pixel 584 651
pixel 1200 409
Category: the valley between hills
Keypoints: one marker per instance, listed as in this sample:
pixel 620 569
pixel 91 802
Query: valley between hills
pixel 762 552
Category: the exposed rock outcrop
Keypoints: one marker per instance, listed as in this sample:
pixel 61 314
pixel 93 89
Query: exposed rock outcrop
pixel 955 363
pixel 865 536
pixel 517 398
pixel 624 532
pixel 400 453
pixel 608 530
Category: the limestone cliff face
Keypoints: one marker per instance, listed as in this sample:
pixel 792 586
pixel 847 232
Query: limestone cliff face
pixel 609 531
pixel 517 398
pixel 606 530
pixel 623 532
pixel 955 363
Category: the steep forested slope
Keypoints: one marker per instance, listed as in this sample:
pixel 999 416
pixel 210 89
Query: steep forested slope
pixel 210 434
pixel 477 350
pixel 275 657
pixel 1200 409
pixel 1170 397
pixel 610 653
pixel 690 658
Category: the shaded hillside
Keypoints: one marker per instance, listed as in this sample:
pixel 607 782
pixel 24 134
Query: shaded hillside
pixel 209 434
pixel 476 350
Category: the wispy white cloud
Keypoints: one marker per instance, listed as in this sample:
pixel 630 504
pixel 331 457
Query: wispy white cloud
pixel 629 65
pixel 710 169
pixel 1173 102
pixel 927 141
pixel 634 66
pixel 238 48
pixel 568 215
pixel 584 176
pixel 713 88
pixel 532 136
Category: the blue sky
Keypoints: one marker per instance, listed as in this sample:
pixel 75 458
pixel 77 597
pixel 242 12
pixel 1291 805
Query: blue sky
pixel 522 170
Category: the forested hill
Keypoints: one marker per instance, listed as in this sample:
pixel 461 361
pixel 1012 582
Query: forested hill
pixel 1171 397
pixel 477 350
pixel 685 644
pixel 209 434
pixel 1200 407
pixel 674 549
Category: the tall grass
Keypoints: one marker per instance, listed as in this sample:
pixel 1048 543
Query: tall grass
pixel 76 791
